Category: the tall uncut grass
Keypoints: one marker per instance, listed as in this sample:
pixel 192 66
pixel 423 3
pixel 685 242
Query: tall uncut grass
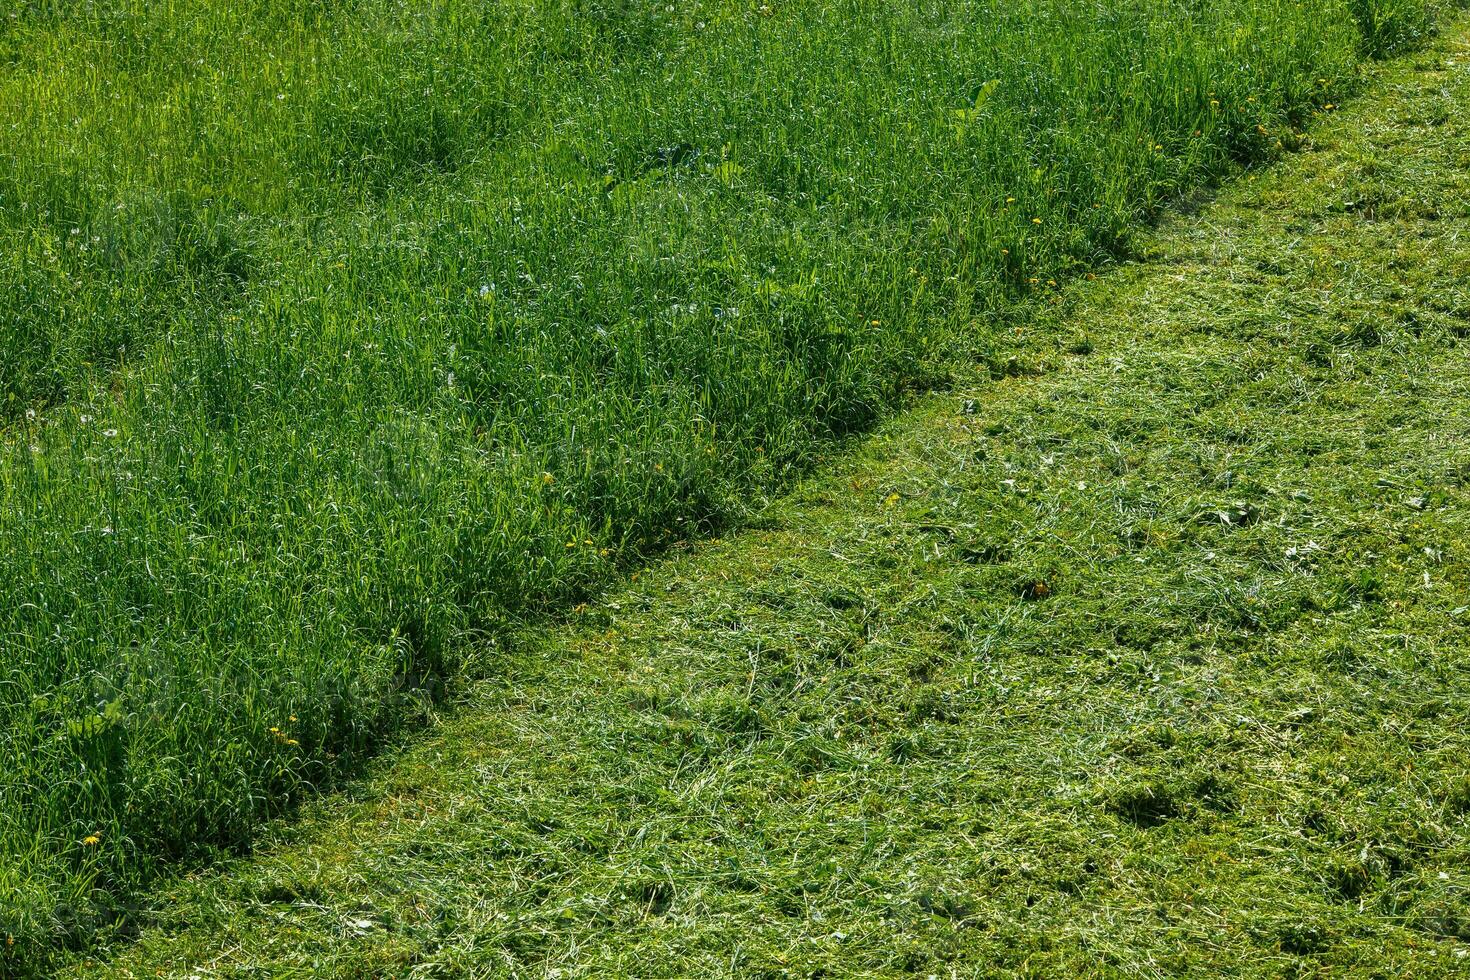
pixel 334 333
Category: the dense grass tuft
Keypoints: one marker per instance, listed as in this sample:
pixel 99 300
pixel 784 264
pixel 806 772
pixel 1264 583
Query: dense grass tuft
pixel 334 334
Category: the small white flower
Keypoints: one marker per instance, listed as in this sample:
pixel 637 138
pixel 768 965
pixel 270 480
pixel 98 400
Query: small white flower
pixel 486 290
pixel 86 420
pixel 110 433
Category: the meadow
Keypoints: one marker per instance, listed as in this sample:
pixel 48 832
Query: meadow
pixel 340 337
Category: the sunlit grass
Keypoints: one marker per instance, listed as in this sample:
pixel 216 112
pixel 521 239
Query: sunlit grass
pixel 336 334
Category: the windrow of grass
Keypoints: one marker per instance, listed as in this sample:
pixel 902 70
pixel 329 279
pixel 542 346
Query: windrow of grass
pixel 336 334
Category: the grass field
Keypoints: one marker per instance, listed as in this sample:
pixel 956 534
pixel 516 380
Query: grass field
pixel 1149 658
pixel 338 338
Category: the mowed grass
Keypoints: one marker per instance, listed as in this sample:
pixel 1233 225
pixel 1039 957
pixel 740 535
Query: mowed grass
pixel 339 336
pixel 1145 653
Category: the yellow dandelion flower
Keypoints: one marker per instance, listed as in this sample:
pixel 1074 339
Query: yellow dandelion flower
pixel 1036 221
pixel 91 840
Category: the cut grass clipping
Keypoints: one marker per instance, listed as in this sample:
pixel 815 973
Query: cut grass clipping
pixel 337 335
